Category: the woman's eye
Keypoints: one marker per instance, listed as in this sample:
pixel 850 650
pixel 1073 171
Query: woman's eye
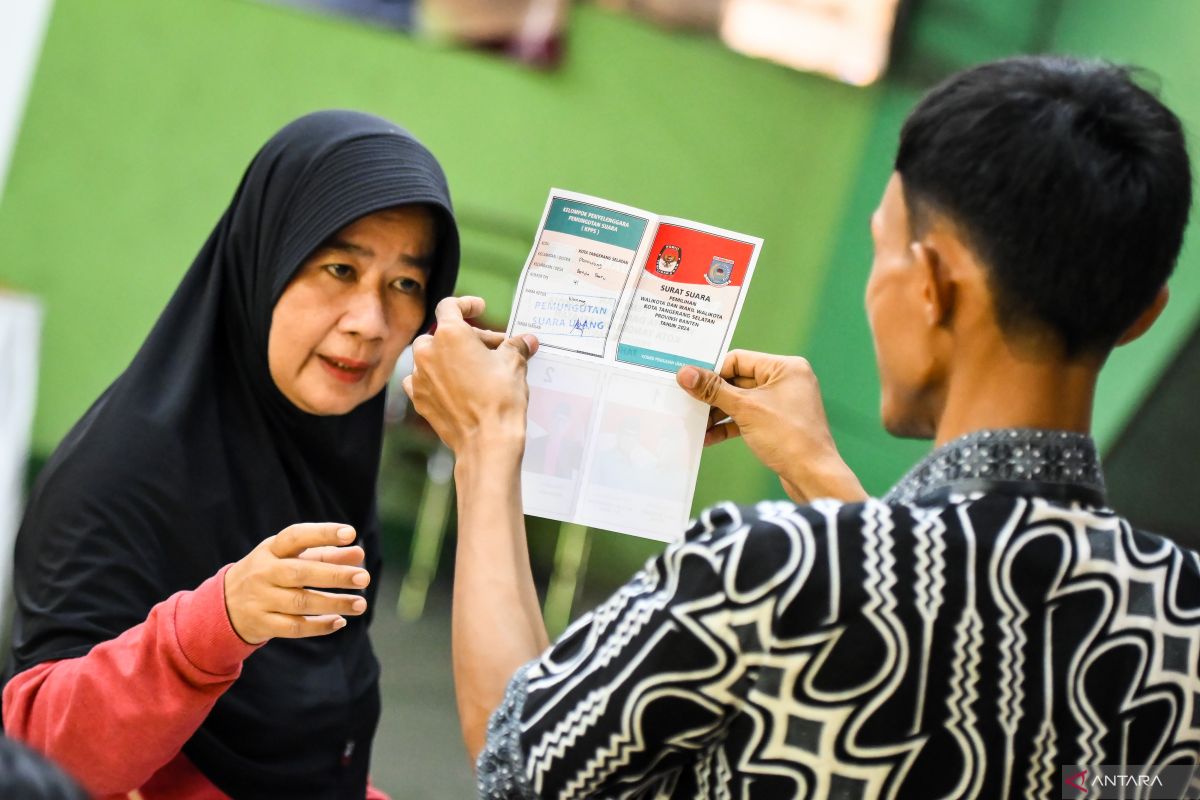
pixel 340 271
pixel 409 286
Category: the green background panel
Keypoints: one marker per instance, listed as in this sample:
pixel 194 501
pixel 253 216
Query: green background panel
pixel 1153 34
pixel 144 113
pixel 1159 35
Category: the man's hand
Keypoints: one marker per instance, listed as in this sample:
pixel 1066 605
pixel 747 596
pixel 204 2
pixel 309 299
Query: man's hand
pixel 470 384
pixel 774 403
pixel 267 593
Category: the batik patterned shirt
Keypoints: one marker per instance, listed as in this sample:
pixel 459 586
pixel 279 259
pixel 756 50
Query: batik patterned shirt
pixel 987 622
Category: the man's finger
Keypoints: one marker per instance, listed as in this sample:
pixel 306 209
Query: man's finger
pixel 472 306
pixel 422 343
pixel 708 387
pixel 720 432
pixel 525 345
pixel 457 309
pixel 743 383
pixel 748 364
pixel 295 539
pixel 492 339
pixel 407 385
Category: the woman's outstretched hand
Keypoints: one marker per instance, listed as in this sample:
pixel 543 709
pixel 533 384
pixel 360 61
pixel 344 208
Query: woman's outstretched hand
pixel 470 384
pixel 268 594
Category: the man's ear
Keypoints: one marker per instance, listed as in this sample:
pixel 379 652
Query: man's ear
pixel 1147 317
pixel 937 292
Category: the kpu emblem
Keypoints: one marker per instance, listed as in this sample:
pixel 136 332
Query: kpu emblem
pixel 669 259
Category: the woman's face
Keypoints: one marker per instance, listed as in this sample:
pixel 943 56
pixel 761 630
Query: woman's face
pixel 350 310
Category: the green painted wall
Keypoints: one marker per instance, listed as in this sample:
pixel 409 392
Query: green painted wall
pixel 144 113
pixel 839 346
pixel 1157 35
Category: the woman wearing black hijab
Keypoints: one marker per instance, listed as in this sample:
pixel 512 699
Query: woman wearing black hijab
pixel 145 589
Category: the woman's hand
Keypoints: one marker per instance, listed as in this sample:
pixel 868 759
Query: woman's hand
pixel 267 594
pixel 774 403
pixel 470 384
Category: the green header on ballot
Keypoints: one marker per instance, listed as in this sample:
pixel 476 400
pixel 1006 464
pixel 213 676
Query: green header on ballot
pixel 595 223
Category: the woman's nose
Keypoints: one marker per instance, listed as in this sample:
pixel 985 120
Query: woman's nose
pixel 365 316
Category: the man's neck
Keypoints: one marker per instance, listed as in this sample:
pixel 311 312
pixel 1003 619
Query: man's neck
pixel 1004 389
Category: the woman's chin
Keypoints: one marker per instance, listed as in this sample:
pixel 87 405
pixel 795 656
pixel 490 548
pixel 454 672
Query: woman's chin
pixel 329 403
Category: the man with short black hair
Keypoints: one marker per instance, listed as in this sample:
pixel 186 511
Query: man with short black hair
pixel 990 620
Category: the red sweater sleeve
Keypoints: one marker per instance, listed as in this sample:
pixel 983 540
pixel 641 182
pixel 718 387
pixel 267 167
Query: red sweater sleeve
pixel 113 717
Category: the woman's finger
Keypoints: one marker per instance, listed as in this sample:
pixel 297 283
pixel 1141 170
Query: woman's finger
pixel 299 572
pixel 309 602
pixel 295 539
pixel 349 556
pixel 291 626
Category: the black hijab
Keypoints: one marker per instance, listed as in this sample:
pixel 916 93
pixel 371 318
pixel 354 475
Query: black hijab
pixel 193 456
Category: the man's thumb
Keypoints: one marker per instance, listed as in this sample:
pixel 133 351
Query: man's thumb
pixel 706 386
pixel 526 344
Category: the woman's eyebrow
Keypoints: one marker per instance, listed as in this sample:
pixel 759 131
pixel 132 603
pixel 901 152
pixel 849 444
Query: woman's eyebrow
pixel 424 261
pixel 334 243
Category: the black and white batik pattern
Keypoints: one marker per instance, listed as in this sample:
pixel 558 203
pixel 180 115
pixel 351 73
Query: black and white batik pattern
pixel 867 651
pixel 1061 458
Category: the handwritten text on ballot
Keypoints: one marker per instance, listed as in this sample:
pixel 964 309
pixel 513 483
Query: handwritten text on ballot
pixel 569 293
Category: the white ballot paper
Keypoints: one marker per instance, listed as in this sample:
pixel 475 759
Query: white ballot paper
pixel 620 299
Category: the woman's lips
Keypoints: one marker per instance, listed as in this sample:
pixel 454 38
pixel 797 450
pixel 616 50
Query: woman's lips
pixel 346 370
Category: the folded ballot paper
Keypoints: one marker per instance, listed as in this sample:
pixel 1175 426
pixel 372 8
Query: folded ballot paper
pixel 620 299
